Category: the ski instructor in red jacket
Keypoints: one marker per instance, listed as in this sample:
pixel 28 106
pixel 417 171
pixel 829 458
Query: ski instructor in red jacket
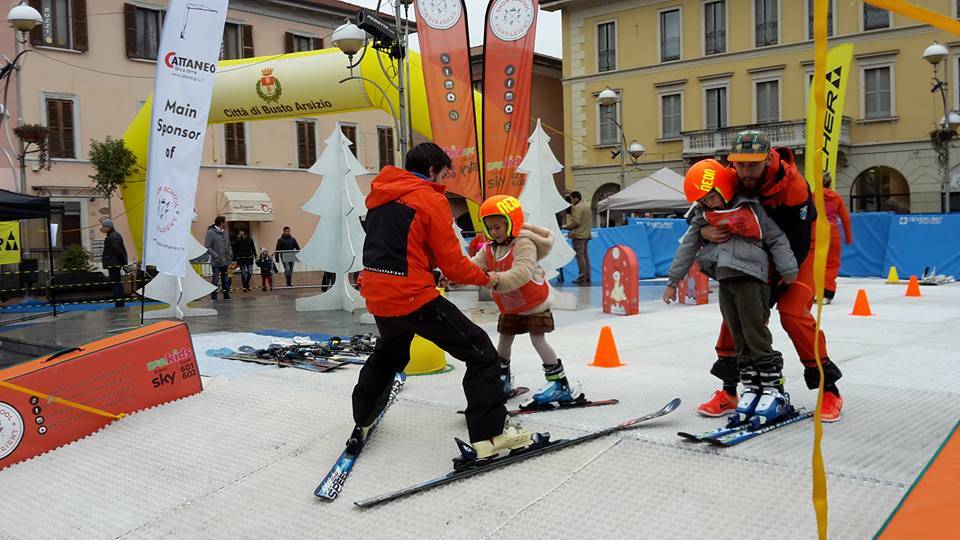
pixel 409 232
pixel 771 176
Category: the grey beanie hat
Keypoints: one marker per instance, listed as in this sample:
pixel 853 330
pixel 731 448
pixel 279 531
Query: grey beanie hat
pixel 107 222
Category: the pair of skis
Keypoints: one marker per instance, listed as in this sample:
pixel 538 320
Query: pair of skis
pixel 332 484
pixel 726 437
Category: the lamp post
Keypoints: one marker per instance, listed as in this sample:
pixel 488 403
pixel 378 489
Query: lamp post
pixel 607 98
pixel 352 38
pixel 23 19
pixel 946 131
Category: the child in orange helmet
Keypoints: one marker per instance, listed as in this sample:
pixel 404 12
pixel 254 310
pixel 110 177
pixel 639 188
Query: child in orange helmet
pixel 522 293
pixel 742 266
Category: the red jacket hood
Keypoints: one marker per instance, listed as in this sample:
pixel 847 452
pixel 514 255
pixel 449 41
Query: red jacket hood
pixel 393 183
pixel 771 184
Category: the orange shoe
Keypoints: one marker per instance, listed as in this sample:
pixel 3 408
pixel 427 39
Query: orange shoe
pixel 720 404
pixel 830 410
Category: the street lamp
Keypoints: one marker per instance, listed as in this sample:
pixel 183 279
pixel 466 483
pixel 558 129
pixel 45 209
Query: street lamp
pixel 352 38
pixel 23 19
pixel 943 136
pixel 635 150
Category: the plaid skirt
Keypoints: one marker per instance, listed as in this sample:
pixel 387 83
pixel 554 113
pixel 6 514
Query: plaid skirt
pixel 535 323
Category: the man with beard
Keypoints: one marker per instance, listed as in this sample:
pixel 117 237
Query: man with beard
pixel 771 176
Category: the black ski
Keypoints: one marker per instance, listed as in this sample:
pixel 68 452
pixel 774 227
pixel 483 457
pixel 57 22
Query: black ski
pixel 575 404
pixel 538 449
pixel 331 485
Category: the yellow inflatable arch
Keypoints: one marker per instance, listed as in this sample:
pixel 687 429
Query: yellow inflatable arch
pixel 306 85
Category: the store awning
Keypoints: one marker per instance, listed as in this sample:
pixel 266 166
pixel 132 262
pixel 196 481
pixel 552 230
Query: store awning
pixel 245 206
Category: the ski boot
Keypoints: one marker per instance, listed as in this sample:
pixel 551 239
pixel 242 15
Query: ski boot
pixel 557 392
pixel 772 407
pixel 745 408
pixel 357 439
pixel 506 378
pixel 363 343
pixel 514 438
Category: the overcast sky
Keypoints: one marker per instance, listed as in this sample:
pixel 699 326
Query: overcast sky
pixel 549 40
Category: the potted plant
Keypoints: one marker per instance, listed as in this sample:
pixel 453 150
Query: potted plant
pixel 34 134
pixel 77 280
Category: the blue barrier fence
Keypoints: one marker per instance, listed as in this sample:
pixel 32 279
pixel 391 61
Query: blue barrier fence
pixel 881 240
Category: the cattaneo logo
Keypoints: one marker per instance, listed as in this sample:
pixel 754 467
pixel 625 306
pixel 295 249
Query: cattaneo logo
pixel 11 429
pixel 183 63
pixel 921 220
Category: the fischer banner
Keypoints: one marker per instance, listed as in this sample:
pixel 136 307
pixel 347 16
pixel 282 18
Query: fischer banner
pixel 183 86
pixel 445 55
pixel 835 86
pixel 507 80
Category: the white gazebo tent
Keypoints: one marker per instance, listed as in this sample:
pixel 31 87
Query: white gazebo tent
pixel 661 191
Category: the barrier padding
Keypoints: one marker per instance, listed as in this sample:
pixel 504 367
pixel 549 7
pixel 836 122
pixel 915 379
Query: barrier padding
pixel 124 373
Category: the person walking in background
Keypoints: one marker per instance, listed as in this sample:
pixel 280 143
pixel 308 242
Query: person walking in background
pixel 113 259
pixel 244 252
pixel 581 230
pixel 286 253
pixel 218 246
pixel 836 214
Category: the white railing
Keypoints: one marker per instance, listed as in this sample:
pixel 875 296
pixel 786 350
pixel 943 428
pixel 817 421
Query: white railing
pixel 715 141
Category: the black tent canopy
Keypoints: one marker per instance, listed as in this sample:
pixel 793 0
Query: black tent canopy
pixel 15 206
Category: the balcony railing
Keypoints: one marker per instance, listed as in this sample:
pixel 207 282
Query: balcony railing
pixel 766 33
pixel 715 41
pixel 712 142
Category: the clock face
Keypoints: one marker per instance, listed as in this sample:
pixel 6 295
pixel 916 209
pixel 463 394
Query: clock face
pixel 439 14
pixel 510 20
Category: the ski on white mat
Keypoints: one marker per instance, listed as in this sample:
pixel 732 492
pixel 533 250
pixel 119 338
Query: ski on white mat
pixel 332 484
pixel 539 448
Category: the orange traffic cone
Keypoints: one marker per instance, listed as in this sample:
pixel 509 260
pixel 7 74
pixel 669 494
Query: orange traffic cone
pixel 606 355
pixel 861 306
pixel 913 288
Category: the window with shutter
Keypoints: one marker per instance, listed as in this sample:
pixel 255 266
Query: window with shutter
pixel 306 144
pixel 716 108
pixel 607 118
pixel 875 18
pixel 385 146
pixel 143 27
pixel 61 128
pixel 606 46
pixel 64 24
pixel 230 48
pixel 350 131
pixel 669 35
pixel 670 114
pixel 234 137
pixel 715 27
pixel 876 92
pixel 766 24
pixel 768 101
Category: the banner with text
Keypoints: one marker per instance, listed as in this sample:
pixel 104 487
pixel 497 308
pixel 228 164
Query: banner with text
pixel 507 80
pixel 445 54
pixel 186 64
pixel 835 87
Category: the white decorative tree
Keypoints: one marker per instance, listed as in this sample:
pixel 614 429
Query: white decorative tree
pixel 178 292
pixel 337 243
pixel 540 199
pixel 463 241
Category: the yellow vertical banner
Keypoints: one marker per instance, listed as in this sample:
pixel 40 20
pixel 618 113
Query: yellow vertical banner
pixel 822 244
pixel 10 238
pixel 836 75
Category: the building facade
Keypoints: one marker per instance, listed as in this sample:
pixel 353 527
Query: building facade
pixel 691 73
pixel 90 67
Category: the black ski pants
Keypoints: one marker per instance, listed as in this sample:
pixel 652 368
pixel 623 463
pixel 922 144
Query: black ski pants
pixel 442 323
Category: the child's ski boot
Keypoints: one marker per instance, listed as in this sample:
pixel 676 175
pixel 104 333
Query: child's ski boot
pixel 772 406
pixel 557 392
pixel 745 408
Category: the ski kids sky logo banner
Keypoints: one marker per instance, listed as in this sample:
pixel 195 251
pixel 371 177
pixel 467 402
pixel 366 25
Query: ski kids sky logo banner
pixel 507 78
pixel 186 64
pixel 445 53
pixel 835 86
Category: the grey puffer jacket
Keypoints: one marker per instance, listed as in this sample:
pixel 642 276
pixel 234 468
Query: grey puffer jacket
pixel 739 255
pixel 218 246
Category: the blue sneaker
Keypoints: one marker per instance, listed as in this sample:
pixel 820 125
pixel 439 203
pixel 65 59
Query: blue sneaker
pixel 771 407
pixel 745 408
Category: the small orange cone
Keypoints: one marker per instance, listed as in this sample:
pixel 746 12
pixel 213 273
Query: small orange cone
pixel 913 288
pixel 606 355
pixel 861 306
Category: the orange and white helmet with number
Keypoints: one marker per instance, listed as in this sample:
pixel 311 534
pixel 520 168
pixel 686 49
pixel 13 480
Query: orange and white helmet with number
pixel 708 175
pixel 506 206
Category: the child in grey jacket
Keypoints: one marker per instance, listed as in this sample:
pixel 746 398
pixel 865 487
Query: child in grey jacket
pixel 742 267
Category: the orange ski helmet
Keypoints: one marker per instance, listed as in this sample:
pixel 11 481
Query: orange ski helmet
pixel 506 206
pixel 708 175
